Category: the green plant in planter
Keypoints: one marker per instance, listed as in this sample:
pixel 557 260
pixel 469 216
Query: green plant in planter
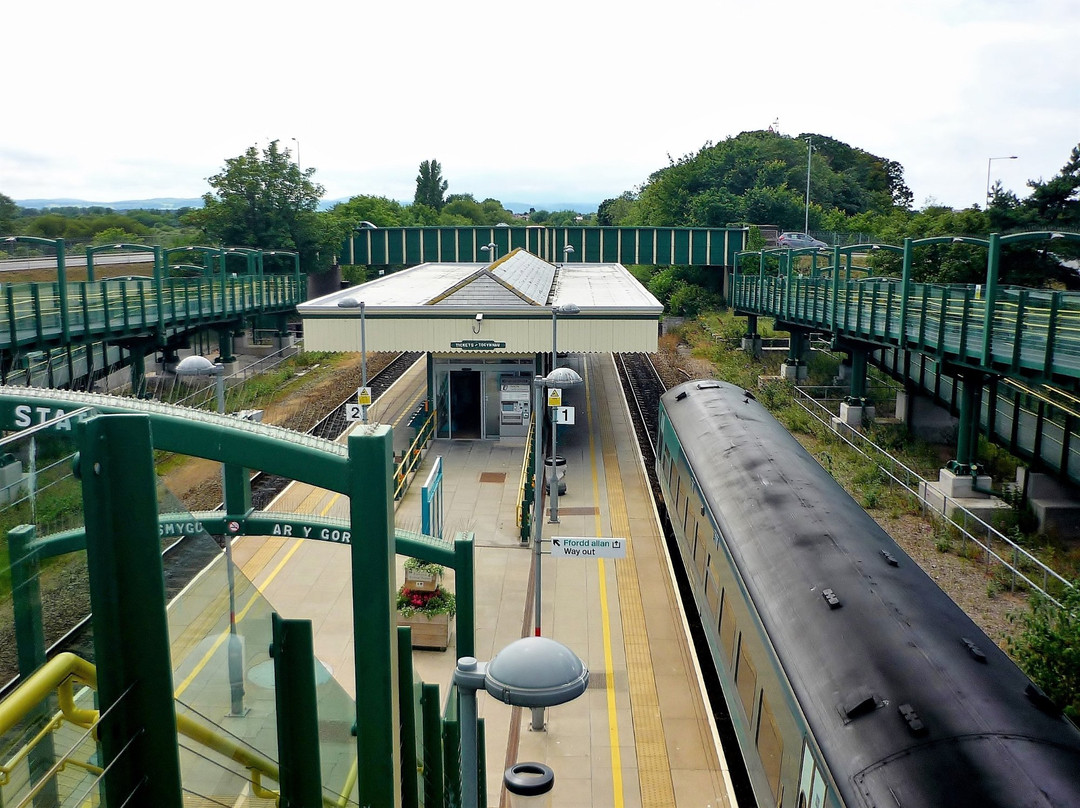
pixel 412 602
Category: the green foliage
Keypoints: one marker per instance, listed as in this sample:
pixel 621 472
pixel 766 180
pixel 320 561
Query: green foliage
pixel 1048 647
pixel 411 602
pixel 262 199
pixel 115 235
pixel 761 177
pixel 430 185
pixel 9 211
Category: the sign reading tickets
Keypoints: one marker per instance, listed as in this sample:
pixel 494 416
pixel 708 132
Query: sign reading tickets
pixel 477 345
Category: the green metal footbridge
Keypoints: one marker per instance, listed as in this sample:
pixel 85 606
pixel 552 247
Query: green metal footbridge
pixel 98 324
pixel 1009 356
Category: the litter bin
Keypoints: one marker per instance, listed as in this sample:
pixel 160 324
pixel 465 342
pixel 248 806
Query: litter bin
pixel 529 785
pixel 557 466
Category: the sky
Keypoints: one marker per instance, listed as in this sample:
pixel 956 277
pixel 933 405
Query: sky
pixel 527 102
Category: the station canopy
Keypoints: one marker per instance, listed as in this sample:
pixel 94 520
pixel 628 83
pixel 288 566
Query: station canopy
pixel 502 307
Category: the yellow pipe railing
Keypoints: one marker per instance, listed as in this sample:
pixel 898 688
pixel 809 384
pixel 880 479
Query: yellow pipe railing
pixel 413 456
pixel 60 675
pixel 523 484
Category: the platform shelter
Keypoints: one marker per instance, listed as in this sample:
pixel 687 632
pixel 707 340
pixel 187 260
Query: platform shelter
pixel 488 329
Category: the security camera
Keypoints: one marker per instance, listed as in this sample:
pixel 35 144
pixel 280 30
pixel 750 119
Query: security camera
pixel 479 318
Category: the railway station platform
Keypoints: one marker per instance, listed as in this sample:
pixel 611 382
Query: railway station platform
pixel 641 734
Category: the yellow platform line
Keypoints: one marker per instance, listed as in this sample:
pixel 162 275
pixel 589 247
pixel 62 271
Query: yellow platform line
pixel 186 683
pixel 605 619
pixel 654 769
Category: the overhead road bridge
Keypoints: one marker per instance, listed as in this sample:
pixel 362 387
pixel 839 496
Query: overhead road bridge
pixel 654 246
pixel 1011 354
pixel 99 323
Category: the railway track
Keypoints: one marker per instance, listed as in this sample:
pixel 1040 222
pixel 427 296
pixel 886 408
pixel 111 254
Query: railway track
pixel 185 558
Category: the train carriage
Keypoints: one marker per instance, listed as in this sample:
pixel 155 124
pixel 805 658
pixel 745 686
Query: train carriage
pixel 851 678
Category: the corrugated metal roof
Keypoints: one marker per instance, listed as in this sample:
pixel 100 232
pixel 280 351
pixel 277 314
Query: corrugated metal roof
pixel 528 274
pixel 607 287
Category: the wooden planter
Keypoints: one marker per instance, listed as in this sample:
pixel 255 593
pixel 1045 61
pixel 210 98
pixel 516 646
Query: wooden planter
pixel 428 631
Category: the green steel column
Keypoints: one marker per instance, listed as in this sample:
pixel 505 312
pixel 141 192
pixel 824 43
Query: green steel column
pixel 371 514
pixel 788 279
pixel 138 370
pixel 225 345
pixel 858 372
pixel 410 768
pixel 905 281
pixel 761 280
pixel 465 592
pixel 751 325
pixel 30 648
pixel 293 652
pixel 159 295
pixel 993 260
pixel 26 599
pixel 89 266
pixel 834 291
pixel 61 286
pixel 967 432
pixel 237 494
pixel 431 386
pixel 433 751
pixel 127 596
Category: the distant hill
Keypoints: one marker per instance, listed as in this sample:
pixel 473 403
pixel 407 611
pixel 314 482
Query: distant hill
pixel 161 203
pixel 173 203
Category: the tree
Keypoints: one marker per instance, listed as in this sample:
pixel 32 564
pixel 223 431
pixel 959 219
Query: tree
pixel 9 211
pixel 430 186
pixel 263 200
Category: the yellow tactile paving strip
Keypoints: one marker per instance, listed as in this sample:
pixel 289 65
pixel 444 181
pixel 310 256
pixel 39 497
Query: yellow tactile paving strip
pixel 654 768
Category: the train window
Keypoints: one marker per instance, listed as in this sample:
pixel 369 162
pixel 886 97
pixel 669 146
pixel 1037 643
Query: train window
pixel 746 680
pixel 770 746
pixel 811 782
pixel 727 632
pixel 712 593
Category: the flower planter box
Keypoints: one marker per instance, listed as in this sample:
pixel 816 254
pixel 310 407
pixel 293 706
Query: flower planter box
pixel 428 631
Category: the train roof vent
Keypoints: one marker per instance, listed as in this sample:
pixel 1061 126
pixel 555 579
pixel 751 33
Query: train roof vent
pixel 831 599
pixel 890 559
pixel 860 703
pixel 915 724
pixel 681 396
pixel 710 385
pixel 975 651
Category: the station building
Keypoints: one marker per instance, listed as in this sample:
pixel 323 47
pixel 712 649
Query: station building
pixel 488 329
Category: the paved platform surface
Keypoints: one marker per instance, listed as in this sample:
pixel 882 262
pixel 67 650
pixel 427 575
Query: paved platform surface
pixel 641 734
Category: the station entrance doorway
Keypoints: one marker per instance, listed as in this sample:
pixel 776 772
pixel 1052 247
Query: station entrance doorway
pixel 481 398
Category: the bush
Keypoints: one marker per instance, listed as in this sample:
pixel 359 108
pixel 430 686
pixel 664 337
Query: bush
pixel 1048 647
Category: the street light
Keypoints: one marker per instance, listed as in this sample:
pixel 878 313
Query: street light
pixel 491 249
pixel 353 303
pixel 560 377
pixel 201 366
pixel 568 250
pixel 565 308
pixel 297 142
pixel 531 672
pixel 806 216
pixel 988 162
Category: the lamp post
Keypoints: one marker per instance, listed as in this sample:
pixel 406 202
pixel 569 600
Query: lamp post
pixel 531 672
pixel 989 161
pixel 568 250
pixel 201 366
pixel 353 303
pixel 565 308
pixel 297 142
pixel 806 217
pixel 491 249
pixel 560 377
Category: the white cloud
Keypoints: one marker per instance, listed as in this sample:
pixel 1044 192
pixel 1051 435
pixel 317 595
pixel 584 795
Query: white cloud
pixel 560 102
